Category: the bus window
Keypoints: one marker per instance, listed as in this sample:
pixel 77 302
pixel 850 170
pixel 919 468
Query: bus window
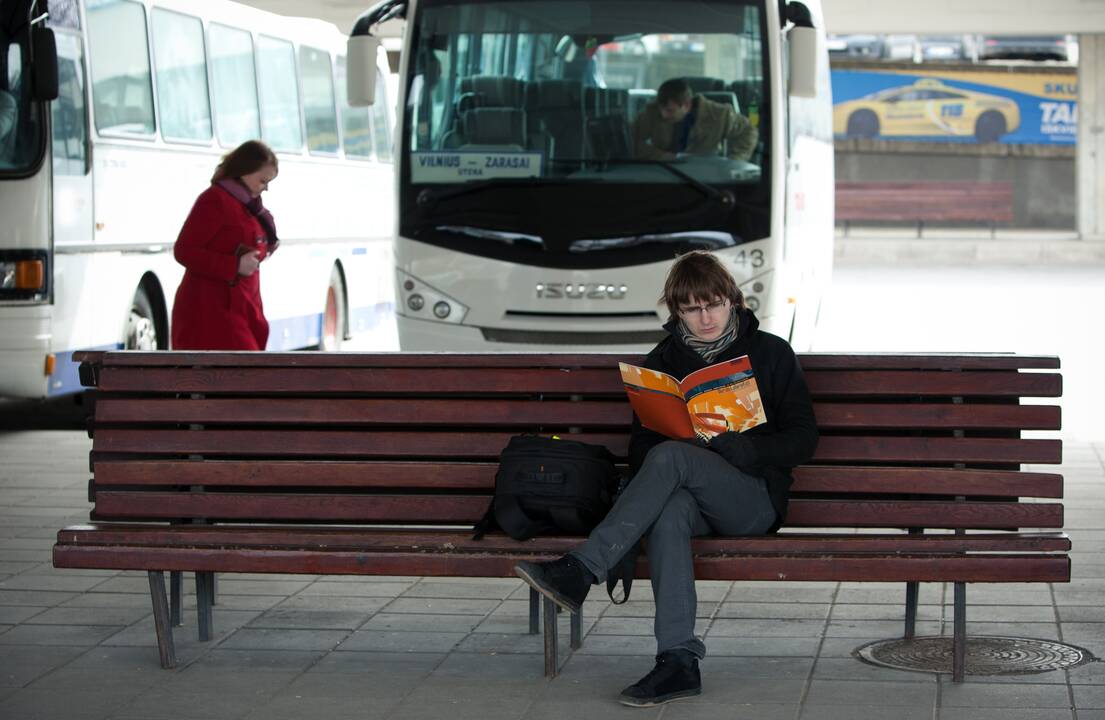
pixel 380 121
pixel 279 95
pixel 234 82
pixel 182 97
pixel 70 130
pixel 356 123
pixel 318 100
pixel 122 97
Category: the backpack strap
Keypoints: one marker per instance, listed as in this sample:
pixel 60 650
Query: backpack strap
pixel 623 570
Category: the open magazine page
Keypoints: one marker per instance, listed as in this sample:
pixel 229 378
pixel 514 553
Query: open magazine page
pixel 657 400
pixel 723 397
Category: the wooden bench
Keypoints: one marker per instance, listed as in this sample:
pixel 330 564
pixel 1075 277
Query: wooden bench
pixel 306 463
pixel 925 202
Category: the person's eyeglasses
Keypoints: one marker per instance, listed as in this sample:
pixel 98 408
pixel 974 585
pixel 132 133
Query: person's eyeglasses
pixel 709 308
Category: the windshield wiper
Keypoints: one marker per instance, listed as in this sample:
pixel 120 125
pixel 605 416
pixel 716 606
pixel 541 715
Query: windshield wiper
pixel 508 238
pixel 707 240
pixel 725 197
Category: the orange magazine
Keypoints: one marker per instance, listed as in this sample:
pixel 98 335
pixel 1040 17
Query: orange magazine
pixel 716 399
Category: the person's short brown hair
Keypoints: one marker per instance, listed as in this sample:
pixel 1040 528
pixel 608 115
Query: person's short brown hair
pixel 676 91
pixel 249 157
pixel 699 275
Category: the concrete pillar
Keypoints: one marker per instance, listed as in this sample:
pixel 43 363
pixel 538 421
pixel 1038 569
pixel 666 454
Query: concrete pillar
pixel 1090 162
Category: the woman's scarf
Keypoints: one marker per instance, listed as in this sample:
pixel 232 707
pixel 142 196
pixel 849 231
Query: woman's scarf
pixel 710 349
pixel 238 191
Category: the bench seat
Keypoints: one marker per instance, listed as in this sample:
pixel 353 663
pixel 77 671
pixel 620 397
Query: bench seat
pixel 380 464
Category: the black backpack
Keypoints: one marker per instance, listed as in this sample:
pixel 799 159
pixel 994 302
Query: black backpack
pixel 549 485
pixel 560 486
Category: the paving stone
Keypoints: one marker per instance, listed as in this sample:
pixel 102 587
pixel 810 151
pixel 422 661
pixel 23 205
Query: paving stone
pixel 879 693
pixel 441 605
pixel 977 693
pixel 404 665
pixel 362 589
pixel 284 639
pixel 115 616
pixel 830 668
pixel 386 621
pixel 304 619
pixel 402 641
pixel 773 611
pixel 765 647
pixel 13 614
pixel 283 660
pixel 864 712
pixel 49 704
pixel 22 664
pixel 1089 696
pixel 948 713
pixel 73 635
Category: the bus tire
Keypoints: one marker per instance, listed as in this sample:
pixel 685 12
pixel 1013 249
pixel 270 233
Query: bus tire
pixel 990 126
pixel 333 313
pixel 141 328
pixel 863 123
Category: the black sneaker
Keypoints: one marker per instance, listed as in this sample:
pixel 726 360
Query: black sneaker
pixel 565 580
pixel 675 676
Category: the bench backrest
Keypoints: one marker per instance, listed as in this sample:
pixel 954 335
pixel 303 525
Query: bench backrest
pixel 402 438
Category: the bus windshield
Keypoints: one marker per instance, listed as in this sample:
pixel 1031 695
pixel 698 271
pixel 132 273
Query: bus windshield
pixel 508 96
pixel 20 117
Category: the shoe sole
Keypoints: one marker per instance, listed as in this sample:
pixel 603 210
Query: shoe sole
pixel 653 702
pixel 522 570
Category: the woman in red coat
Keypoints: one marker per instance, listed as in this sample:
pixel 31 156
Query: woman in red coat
pixel 226 236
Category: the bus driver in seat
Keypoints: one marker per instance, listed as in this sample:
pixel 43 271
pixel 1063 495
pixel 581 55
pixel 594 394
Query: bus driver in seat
pixel 680 122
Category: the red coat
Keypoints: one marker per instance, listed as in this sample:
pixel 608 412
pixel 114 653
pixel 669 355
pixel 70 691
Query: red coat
pixel 215 308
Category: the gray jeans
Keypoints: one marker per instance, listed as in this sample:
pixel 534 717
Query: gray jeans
pixel 680 492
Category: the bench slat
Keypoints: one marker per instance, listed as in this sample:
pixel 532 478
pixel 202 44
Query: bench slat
pixel 439 382
pixel 840 568
pixel 467 509
pixel 487 445
pixel 452 541
pixel 531 413
pixel 809 361
pixel 481 476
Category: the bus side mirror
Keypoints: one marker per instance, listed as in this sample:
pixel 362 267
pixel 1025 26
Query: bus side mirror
pixel 802 48
pixel 360 76
pixel 44 77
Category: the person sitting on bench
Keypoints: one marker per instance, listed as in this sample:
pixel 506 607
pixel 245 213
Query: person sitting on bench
pixel 679 122
pixel 735 484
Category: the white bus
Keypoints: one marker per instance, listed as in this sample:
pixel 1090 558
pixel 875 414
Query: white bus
pixel 529 217
pixel 95 184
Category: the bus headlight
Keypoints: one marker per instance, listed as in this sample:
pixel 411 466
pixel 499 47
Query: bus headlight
pixel 756 291
pixel 419 300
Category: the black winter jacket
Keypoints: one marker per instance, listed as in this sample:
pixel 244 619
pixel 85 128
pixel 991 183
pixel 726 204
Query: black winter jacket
pixel 786 440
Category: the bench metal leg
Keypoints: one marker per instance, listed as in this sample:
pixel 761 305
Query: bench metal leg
pixel 161 624
pixel 576 638
pixel 959 632
pixel 911 595
pixel 203 605
pixel 551 664
pixel 176 597
pixel 534 611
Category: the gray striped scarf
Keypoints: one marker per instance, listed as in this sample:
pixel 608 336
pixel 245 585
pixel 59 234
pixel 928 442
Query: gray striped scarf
pixel 710 349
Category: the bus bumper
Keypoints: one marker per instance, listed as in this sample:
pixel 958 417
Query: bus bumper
pixel 423 335
pixel 24 346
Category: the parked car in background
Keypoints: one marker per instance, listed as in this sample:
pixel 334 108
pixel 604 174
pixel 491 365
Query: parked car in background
pixel 946 47
pixel 1024 47
pixel 927 108
pixel 855 47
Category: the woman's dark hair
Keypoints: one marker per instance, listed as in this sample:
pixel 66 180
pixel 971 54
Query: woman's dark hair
pixel 699 275
pixel 249 157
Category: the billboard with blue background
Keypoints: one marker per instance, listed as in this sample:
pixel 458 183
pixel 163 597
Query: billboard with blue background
pixel 963 106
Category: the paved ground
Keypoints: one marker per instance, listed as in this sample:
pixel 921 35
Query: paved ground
pixel 80 644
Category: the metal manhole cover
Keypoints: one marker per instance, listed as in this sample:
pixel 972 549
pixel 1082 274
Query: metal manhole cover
pixel 986 655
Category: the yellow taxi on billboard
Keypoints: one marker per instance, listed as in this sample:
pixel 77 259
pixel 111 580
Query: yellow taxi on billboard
pixel 927 107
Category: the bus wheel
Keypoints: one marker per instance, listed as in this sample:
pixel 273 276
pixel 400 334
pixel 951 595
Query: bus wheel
pixel 333 316
pixel 141 331
pixel 863 123
pixel 990 126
